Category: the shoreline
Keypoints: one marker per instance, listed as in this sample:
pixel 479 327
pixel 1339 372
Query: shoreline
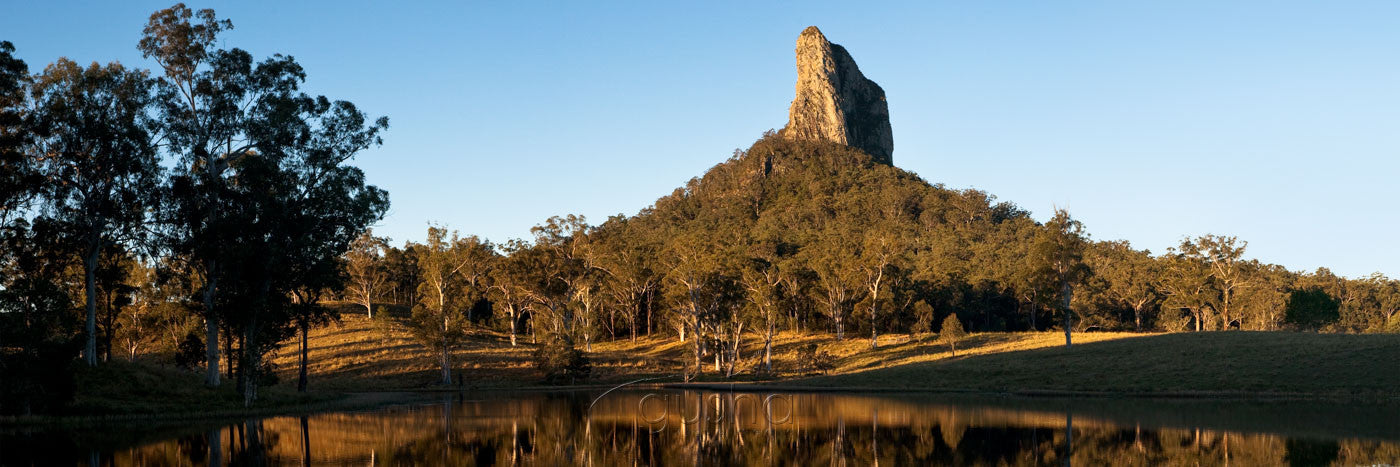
pixel 369 400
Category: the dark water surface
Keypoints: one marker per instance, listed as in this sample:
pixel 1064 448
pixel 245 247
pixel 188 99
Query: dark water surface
pixel 669 427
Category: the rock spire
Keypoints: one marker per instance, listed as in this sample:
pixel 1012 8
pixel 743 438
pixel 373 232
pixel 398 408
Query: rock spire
pixel 835 102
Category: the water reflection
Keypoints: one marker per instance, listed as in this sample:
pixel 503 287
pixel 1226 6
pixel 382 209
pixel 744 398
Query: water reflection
pixel 708 428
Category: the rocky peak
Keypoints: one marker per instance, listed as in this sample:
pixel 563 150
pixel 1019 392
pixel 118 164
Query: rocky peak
pixel 835 102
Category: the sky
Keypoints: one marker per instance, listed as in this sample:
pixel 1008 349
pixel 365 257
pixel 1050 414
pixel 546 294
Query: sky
pixel 1274 121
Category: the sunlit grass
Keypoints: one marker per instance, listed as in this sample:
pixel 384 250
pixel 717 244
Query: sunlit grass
pixel 1209 363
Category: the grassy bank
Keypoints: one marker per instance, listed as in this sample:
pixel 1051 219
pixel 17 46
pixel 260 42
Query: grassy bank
pixel 359 355
pixel 1211 363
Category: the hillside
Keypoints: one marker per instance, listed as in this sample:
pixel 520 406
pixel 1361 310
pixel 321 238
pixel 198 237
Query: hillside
pixel 1211 364
pixel 360 354
pixel 357 355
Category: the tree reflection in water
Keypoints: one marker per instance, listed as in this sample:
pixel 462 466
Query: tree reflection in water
pixel 690 428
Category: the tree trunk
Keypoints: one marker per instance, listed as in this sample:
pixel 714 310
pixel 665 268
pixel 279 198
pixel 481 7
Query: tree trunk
pixel 840 325
pixel 301 374
pixel 211 336
pixel 248 371
pixel 1068 292
pixel 90 273
pixel 874 342
pixel 446 365
pixel 513 318
pixel 768 348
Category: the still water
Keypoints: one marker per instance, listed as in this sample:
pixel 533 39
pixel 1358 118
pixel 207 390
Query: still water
pixel 671 427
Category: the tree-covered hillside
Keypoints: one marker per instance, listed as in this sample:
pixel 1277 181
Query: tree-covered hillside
pixel 816 237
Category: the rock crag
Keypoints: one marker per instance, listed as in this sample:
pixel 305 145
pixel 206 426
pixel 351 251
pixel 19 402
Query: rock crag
pixel 835 102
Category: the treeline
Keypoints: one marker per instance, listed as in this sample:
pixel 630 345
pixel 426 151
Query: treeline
pixel 812 237
pixel 202 209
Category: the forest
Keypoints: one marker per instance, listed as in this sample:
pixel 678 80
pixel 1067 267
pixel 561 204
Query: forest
pixel 205 212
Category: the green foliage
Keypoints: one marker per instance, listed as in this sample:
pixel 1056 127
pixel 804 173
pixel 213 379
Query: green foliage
pixel 1311 309
pixel 561 362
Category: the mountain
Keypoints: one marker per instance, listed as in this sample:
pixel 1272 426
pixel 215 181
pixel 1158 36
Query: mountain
pixel 835 102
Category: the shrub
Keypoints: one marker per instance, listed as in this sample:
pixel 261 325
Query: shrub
pixel 561 362
pixel 190 353
pixel 814 360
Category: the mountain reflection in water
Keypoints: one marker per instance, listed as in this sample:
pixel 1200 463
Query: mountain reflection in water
pixel 667 427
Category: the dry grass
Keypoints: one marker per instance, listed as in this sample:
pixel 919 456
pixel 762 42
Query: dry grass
pixel 363 354
pixel 1208 363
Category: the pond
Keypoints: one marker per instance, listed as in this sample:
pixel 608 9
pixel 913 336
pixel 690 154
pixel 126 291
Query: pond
pixel 676 427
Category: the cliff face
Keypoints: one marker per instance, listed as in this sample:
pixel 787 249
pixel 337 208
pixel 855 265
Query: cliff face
pixel 835 102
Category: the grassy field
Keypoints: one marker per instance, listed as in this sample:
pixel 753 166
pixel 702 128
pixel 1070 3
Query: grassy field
pixel 1211 363
pixel 360 354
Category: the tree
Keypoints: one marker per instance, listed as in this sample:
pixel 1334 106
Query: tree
pixel 838 275
pixel 1188 286
pixel 263 200
pixel 761 281
pixel 952 332
pixel 508 283
pixel 626 258
pixel 18 178
pixel 923 319
pixel 440 318
pixel 39 331
pixel 1222 255
pixel 883 251
pixel 1058 255
pixel 95 149
pixel 1130 274
pixel 365 265
pixel 203 101
pixel 1311 309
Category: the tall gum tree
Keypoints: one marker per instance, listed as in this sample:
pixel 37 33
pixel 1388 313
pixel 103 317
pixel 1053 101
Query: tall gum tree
pixel 95 150
pixel 1059 256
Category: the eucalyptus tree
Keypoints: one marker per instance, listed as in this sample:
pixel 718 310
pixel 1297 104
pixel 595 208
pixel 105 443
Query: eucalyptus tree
pixel 18 179
pixel 567 285
pixel 1222 255
pixel 1382 294
pixel 838 275
pixel 1058 254
pixel 1188 286
pixel 440 319
pixel 261 192
pixel 508 287
pixel 1130 274
pixel 883 253
pixel 688 269
pixel 625 253
pixel 207 98
pixel 762 282
pixel 364 264
pixel 95 148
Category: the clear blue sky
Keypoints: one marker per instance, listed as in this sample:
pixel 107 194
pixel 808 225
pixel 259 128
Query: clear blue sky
pixel 1277 121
